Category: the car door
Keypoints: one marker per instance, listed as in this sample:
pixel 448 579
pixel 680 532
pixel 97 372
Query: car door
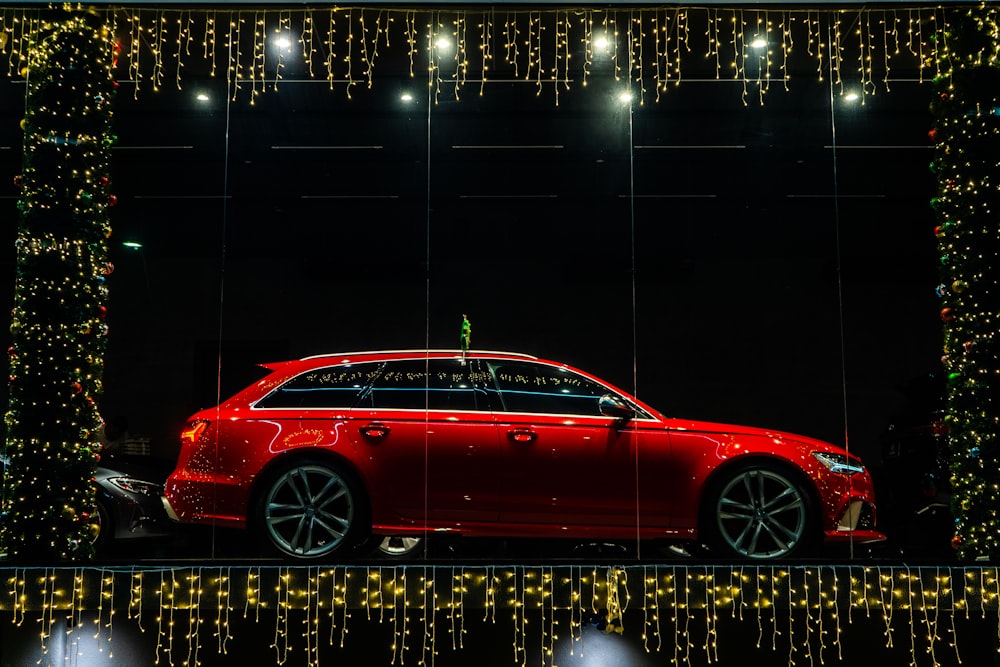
pixel 426 435
pixel 563 461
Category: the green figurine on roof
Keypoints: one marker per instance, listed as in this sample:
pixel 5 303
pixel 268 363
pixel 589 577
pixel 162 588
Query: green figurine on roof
pixel 465 338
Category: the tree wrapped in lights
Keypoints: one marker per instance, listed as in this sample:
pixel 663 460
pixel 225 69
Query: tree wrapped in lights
pixel 58 331
pixel 967 164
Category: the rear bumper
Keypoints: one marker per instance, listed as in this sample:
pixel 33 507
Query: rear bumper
pixel 205 501
pixel 171 514
pixel 861 536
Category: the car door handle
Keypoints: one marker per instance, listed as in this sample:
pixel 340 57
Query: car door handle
pixel 375 431
pixel 522 435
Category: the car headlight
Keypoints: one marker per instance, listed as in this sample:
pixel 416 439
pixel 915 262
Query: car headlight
pixel 839 463
pixel 133 485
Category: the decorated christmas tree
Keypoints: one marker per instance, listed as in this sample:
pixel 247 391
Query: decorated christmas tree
pixel 58 329
pixel 967 165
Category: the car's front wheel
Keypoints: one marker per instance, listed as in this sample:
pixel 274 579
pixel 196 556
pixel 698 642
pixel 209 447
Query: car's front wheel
pixel 760 512
pixel 310 509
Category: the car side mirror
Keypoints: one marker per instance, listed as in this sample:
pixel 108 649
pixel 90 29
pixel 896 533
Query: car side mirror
pixel 613 406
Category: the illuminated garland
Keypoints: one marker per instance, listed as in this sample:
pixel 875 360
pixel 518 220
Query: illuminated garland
pixel 648 50
pixel 58 331
pixel 676 611
pixel 967 165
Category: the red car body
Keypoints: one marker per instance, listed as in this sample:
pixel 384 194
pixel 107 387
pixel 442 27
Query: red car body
pixel 500 444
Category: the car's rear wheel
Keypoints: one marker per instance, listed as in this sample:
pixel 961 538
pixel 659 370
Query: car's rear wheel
pixel 400 547
pixel 310 509
pixel 760 511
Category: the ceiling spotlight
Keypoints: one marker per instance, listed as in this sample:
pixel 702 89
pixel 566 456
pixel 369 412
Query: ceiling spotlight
pixel 442 44
pixel 406 97
pixel 625 97
pixel 601 43
pixel 759 43
pixel 202 97
pixel 132 245
pixel 851 97
pixel 282 42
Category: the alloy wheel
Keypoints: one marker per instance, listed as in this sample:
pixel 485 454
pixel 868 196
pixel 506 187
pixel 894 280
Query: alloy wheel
pixel 761 514
pixel 308 511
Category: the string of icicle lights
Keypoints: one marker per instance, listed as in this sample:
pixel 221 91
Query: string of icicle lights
pixel 461 50
pixel 798 612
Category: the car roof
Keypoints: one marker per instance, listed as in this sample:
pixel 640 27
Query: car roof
pixel 386 355
pixel 344 357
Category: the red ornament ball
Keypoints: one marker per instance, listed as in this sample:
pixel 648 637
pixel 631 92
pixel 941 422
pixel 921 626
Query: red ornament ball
pixel 947 314
pixel 932 135
pixel 112 200
pixel 956 542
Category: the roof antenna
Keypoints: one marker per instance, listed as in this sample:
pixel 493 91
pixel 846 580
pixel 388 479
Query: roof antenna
pixel 465 337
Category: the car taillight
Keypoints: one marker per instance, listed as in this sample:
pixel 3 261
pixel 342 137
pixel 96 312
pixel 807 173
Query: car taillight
pixel 193 431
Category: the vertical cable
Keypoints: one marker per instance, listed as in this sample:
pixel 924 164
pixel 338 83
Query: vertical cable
pixel 635 317
pixel 222 291
pixel 427 294
pixel 840 273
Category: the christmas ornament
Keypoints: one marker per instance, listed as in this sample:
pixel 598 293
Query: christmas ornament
pixel 465 338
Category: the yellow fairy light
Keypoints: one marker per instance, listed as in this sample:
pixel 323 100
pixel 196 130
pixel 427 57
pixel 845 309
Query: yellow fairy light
pixel 366 60
pixel 808 594
pixel 306 42
pixel 223 607
pixel 485 48
pixel 258 58
pixel 350 51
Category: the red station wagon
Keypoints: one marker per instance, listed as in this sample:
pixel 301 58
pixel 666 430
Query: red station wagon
pixel 326 451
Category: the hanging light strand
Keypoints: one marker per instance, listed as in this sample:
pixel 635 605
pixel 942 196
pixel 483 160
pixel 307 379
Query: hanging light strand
pixel 545 47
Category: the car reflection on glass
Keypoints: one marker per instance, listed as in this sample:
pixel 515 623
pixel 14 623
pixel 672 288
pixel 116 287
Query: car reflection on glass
pixel 129 503
pixel 329 452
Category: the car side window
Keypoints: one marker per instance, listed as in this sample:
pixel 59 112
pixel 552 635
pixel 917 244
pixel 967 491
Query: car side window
pixel 435 384
pixel 538 388
pixel 333 387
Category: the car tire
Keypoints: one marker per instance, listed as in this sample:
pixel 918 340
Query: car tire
pixel 311 509
pixel 105 529
pixel 759 511
pixel 397 547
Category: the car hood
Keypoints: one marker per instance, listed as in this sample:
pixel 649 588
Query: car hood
pixel 695 426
